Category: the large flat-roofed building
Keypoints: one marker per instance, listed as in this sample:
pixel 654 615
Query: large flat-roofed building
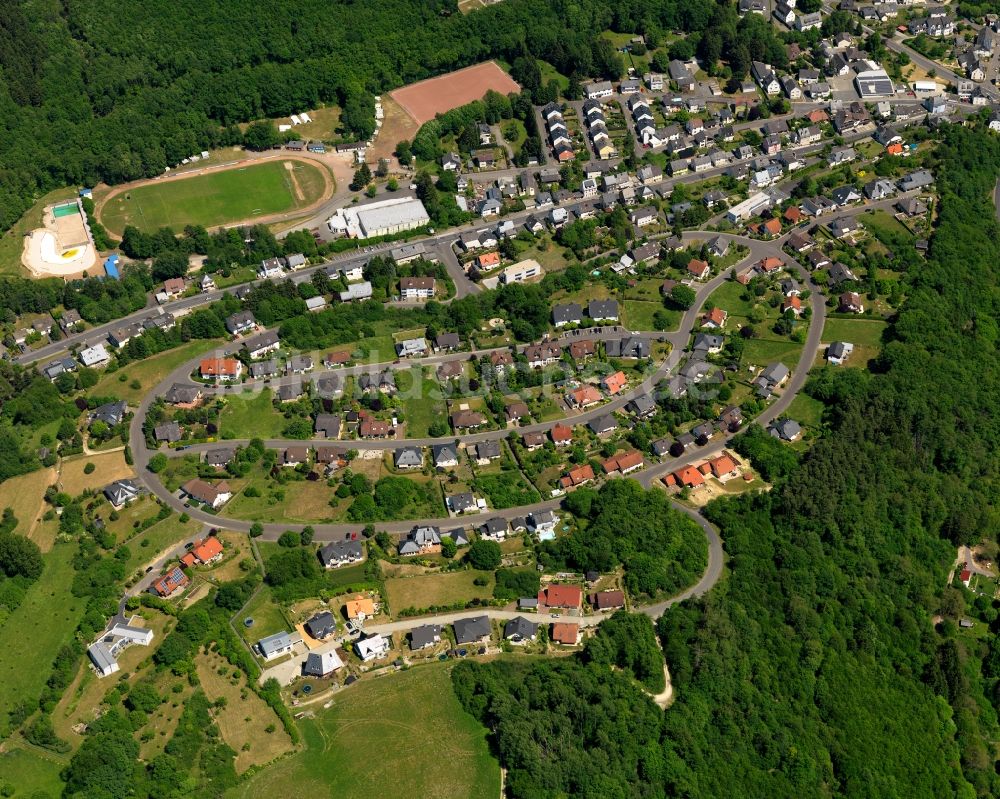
pixel 873 83
pixel 521 271
pixel 379 218
pixel 752 206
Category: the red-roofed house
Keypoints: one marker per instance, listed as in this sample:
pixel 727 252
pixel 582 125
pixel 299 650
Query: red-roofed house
pixel 770 264
pixel 689 477
pixel 817 115
pixel 772 227
pixel 221 369
pixel 965 577
pixel 489 260
pixel 173 580
pixel 585 396
pixel 614 383
pixel 792 215
pixel 624 462
pixel 698 269
pixel 561 596
pixel 577 477
pixel 207 551
pixel 565 633
pixel 896 148
pixel 715 319
pixel 724 467
pixel 793 304
pixel 561 435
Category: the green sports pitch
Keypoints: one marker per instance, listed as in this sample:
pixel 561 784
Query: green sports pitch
pixel 216 198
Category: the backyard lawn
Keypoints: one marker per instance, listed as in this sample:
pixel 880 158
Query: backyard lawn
pixel 806 411
pixel 762 351
pixel 427 590
pixel 33 774
pixel 859 331
pixel 266 614
pixel 250 416
pixel 386 716
pixel 110 466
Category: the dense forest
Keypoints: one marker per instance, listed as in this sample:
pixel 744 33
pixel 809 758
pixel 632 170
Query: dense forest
pixel 816 668
pixel 103 90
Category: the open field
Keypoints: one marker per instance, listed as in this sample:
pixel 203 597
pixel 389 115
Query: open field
pixel 305 501
pixel 245 718
pixel 220 197
pixel 427 98
pixel 806 411
pixel 162 535
pixel 149 372
pixel 24 494
pixel 386 716
pixel 111 466
pixel 865 334
pixel 426 590
pixel 858 331
pixel 250 415
pixel 31 772
pixel 44 622
pixel 762 351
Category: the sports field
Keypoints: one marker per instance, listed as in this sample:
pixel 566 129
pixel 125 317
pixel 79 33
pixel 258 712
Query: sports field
pixel 400 735
pixel 427 98
pixel 219 197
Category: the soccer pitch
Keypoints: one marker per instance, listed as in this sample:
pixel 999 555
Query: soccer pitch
pixel 216 198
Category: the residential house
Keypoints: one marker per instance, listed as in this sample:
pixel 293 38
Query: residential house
pixel 424 636
pixel 473 630
pixel 568 597
pixel 372 648
pixel 341 553
pixel 421 540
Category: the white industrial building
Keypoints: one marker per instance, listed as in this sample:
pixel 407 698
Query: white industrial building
pixel 751 206
pixel 379 218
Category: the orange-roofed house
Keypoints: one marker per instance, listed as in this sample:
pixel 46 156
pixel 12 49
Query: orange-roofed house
pixel 724 467
pixel 689 477
pixel 188 560
pixel 770 264
pixel 561 435
pixel 489 260
pixel 698 269
pixel 614 383
pixel 896 148
pixel 585 396
pixel 792 215
pixel 624 462
pixel 793 304
pixel 817 115
pixel 561 596
pixel 715 319
pixel 208 551
pixel 359 608
pixel 670 481
pixel 565 633
pixel 577 477
pixel 772 227
pixel 228 369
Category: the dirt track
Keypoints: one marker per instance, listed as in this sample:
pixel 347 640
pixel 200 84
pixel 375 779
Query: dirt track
pixel 324 163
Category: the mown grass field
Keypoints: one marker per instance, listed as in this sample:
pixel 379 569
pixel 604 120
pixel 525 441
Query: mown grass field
pixel 110 466
pixel 860 332
pixel 24 495
pixel 31 773
pixel 149 372
pixel 45 620
pixel 216 198
pixel 366 745
pixel 435 589
pixel 245 718
pixel 250 415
